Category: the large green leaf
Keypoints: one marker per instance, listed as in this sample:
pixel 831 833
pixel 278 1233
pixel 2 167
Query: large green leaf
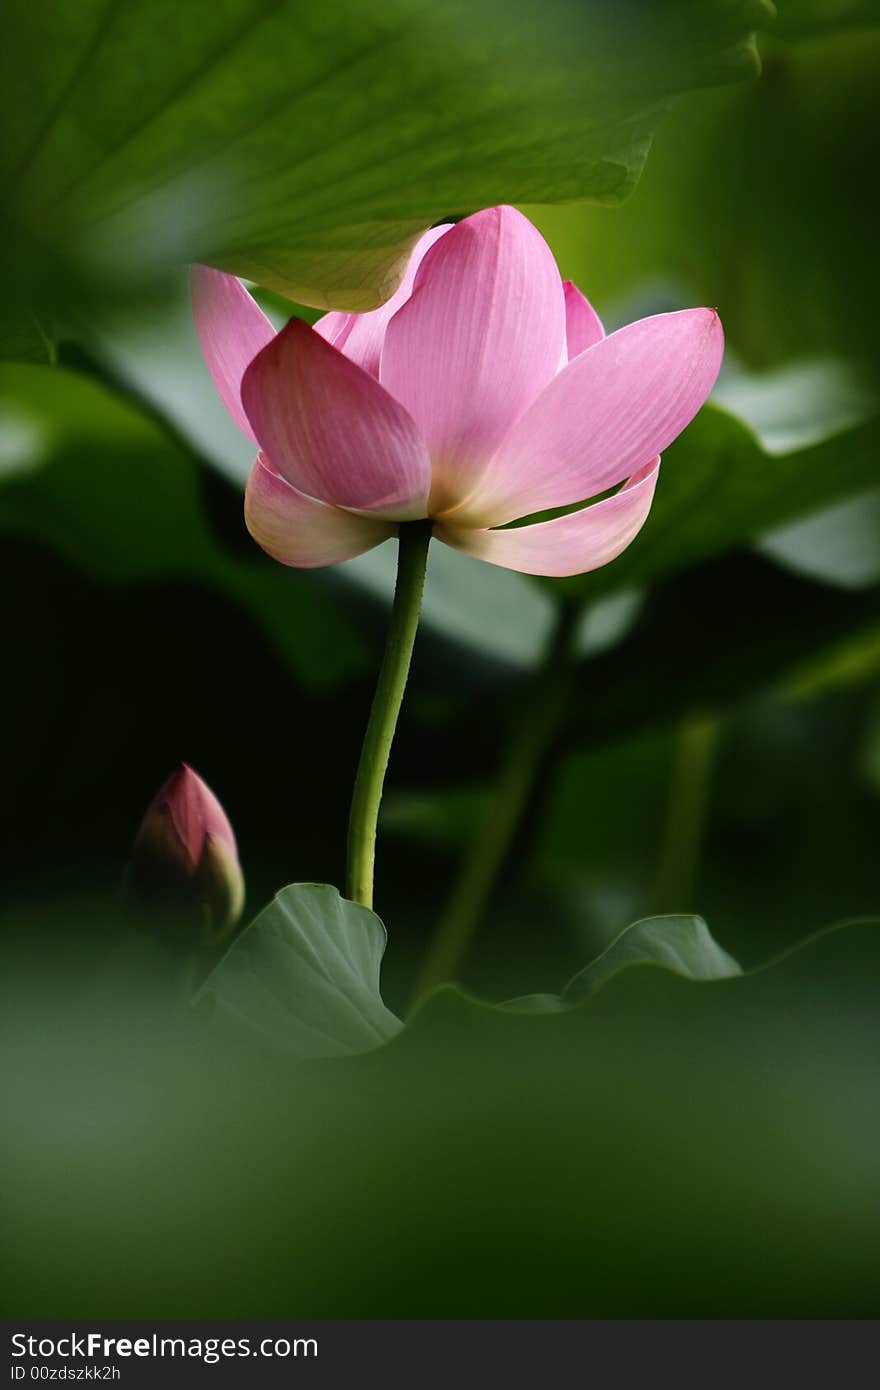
pixel 840 545
pixel 598 1160
pixel 305 143
pixel 806 402
pixel 595 1161
pixel 87 472
pixel 848 663
pixel 303 978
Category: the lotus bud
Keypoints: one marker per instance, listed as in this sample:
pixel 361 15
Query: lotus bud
pixel 184 867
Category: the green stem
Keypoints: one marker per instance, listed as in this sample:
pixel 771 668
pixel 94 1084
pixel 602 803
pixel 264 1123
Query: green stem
pixel 412 561
pixel 693 760
pixel 538 722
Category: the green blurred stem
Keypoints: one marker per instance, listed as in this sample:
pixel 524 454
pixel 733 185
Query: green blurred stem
pixel 412 562
pixel 692 763
pixel 538 723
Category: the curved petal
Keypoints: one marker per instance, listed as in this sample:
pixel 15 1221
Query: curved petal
pixel 298 531
pixel 360 336
pixel 331 430
pixel 232 329
pixel 583 327
pixel 194 810
pixel 481 335
pixel 571 544
pixel 622 401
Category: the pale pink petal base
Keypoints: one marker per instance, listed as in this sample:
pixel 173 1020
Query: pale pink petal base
pixel 298 531
pixel 232 329
pixel 330 429
pixel 571 544
pixel 622 401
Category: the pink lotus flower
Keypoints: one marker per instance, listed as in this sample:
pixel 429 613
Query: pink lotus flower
pixel 184 864
pixel 484 391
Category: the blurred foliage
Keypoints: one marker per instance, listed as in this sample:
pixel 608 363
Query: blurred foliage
pixel 674 1148
pixel 671 1147
pixel 87 472
pixel 754 201
pixel 802 18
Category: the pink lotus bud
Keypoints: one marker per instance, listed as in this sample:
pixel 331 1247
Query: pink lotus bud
pixel 184 866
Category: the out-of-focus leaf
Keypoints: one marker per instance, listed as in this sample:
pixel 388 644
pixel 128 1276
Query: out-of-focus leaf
pixel 754 201
pixel 304 976
pixel 841 545
pixel 305 144
pixel 668 1129
pixel 156 355
pixel 681 944
pixel 851 662
pixel 801 18
pixel 793 407
pixel 702 641
pixel 88 473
